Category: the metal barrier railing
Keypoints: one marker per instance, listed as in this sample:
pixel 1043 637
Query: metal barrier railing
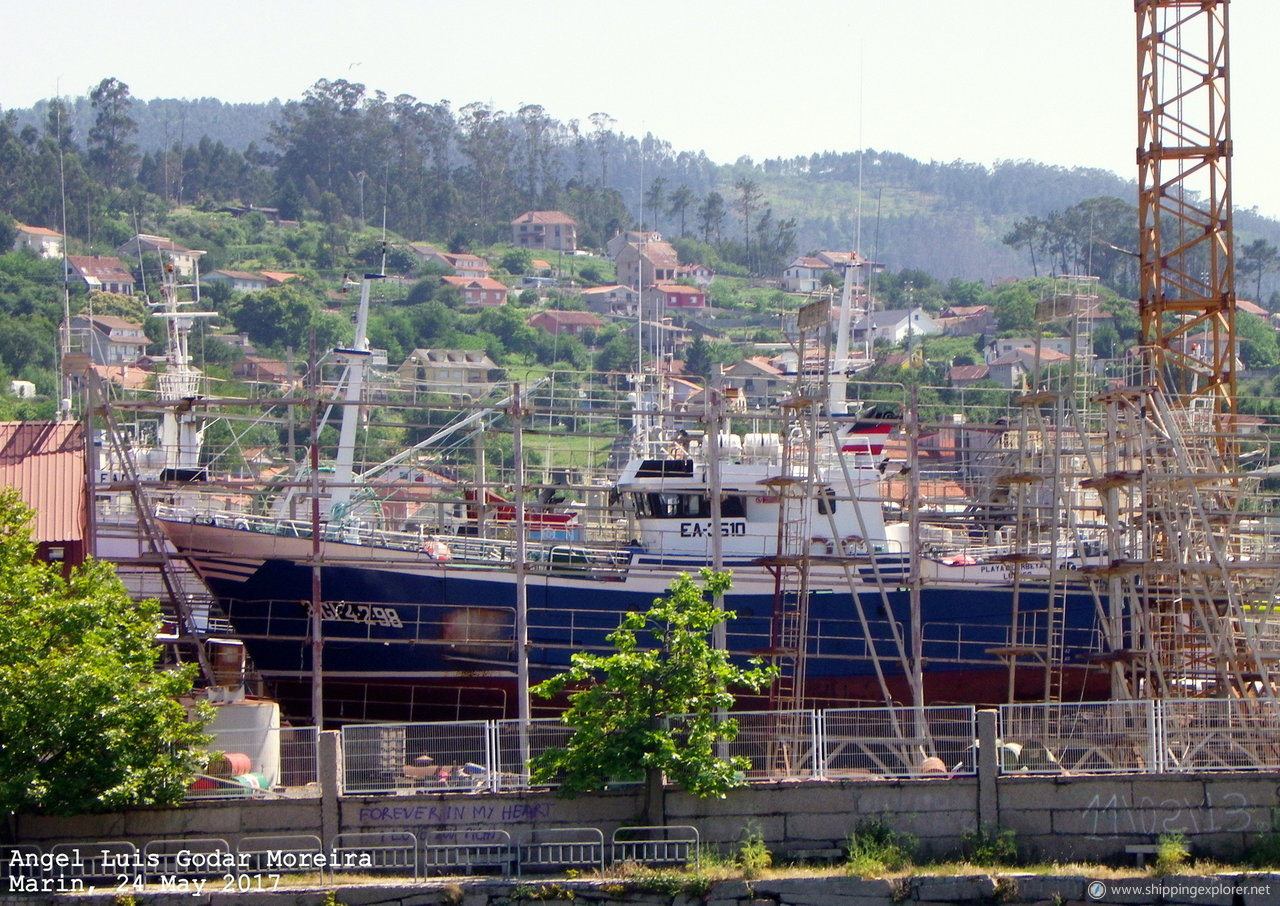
pixel 282 853
pixel 257 761
pixel 671 844
pixel 563 848
pixel 186 859
pixel 465 850
pixel 177 864
pixel 938 740
pixel 385 852
pixel 107 860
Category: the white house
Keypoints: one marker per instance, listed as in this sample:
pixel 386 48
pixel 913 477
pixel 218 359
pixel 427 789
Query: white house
pixel 895 326
pixel 45 243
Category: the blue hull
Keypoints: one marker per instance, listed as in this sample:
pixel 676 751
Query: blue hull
pixel 403 643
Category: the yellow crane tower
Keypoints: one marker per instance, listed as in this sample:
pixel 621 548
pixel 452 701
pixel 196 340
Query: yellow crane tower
pixel 1187 297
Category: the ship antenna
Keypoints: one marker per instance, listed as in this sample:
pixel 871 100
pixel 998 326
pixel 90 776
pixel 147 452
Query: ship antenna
pixel 64 401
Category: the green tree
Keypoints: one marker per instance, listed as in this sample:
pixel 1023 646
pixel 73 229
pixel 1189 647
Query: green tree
pixel 110 150
pixel 678 204
pixel 1258 347
pixel 87 722
pixel 1015 307
pixel 1257 258
pixel 697 357
pixel 711 215
pixel 655 710
pixel 749 199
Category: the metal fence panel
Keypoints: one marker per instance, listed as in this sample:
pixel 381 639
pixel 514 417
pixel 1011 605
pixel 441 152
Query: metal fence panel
pixel 388 852
pixel 780 745
pixel 515 746
pixel 1230 734
pixel 184 859
pixel 1080 737
pixel 560 848
pixel 672 844
pixel 898 742
pixel 282 853
pixel 465 850
pixel 107 860
pixel 299 760
pixel 389 758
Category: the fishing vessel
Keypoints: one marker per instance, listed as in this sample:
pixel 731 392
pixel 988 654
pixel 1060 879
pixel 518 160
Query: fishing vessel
pixel 414 606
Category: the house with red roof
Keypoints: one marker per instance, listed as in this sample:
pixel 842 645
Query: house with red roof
pixel 110 340
pixel 479 290
pixel 663 296
pixel 102 273
pixel 41 241
pixel 647 263
pixel 547 230
pixel 565 323
pixel 184 260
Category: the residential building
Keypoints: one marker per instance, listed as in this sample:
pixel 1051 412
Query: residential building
pixel 259 370
pixel 239 281
pixel 760 380
pixel 895 326
pixel 547 230
pixel 468 372
pixel 1003 346
pixel 698 274
pixel 277 278
pixel 102 273
pixel 634 237
pixel 666 296
pixel 44 243
pixel 968 375
pixel 480 290
pixel 184 260
pixel 967 320
pixel 462 265
pixel 565 323
pixel 647 263
pixel 109 340
pixel 804 274
pixel 614 299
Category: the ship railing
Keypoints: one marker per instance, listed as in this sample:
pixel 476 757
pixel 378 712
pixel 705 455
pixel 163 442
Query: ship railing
pixel 542 556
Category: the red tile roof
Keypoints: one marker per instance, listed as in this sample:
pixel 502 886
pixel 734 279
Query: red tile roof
pixel 544 217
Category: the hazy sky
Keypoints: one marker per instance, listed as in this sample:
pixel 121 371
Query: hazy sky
pixel 975 80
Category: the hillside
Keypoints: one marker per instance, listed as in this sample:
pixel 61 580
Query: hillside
pixel 440 173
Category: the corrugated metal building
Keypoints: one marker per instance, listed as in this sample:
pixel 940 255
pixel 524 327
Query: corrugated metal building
pixel 45 462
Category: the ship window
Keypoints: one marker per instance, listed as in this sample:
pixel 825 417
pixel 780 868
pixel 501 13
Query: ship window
pixel 733 508
pixel 670 505
pixel 826 501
